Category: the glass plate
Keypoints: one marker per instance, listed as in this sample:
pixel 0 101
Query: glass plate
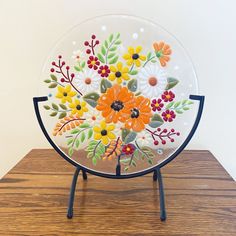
pixel 118 92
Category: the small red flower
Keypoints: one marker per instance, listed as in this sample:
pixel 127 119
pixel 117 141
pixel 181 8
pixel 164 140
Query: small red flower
pixel 157 104
pixel 104 71
pixel 168 115
pixel 128 149
pixel 168 96
pixel 93 62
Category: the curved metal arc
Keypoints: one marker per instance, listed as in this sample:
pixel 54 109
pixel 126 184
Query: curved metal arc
pixel 199 98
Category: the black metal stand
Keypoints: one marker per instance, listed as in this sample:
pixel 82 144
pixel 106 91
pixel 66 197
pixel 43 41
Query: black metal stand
pixel 156 176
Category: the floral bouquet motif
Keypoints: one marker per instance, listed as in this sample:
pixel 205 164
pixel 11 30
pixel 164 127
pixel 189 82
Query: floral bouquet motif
pixel 117 103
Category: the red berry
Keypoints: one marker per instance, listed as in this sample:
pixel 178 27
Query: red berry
pixel 172 130
pixel 156 142
pixel 93 36
pixel 59 56
pixel 63 63
pixel 86 43
pixel 67 67
pixel 172 140
pixel 97 42
pixel 72 75
pixel 52 70
pixel 158 129
pixel 88 51
pixel 53 63
pixel 163 142
pixel 164 130
pixel 178 134
pixel 62 80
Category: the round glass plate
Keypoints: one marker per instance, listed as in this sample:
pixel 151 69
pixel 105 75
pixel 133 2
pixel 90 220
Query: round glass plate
pixel 118 92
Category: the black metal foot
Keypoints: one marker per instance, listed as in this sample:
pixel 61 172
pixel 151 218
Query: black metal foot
pixel 72 194
pixel 85 177
pixel 157 174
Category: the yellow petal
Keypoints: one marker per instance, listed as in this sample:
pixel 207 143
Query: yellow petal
pixel 131 50
pixel 105 140
pixel 63 100
pixel 59 95
pixel 130 62
pixel 83 103
pixel 85 109
pixel 127 56
pixel 103 124
pixel 125 70
pixel 67 88
pixel 112 77
pixel 138 49
pixel 97 129
pixel 71 93
pixel 110 127
pixel 125 76
pixel 142 57
pixel 119 66
pixel 137 63
pixel 68 99
pixel 97 136
pixel 111 135
pixel 61 89
pixel 119 80
pixel 113 69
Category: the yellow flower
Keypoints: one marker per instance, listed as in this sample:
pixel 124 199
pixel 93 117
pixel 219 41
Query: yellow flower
pixel 119 72
pixel 133 56
pixel 103 132
pixel 65 93
pixel 78 107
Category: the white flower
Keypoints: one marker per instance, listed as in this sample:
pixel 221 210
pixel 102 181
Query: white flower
pixel 77 55
pixel 93 117
pixel 151 81
pixel 144 139
pixel 87 81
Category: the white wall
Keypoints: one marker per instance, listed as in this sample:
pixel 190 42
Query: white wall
pixel 29 28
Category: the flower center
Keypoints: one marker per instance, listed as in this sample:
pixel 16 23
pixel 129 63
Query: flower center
pixel 152 81
pixel 103 132
pixel 64 94
pixel 87 81
pixel 103 71
pixel 93 62
pixel 168 96
pixel 134 113
pixel 135 56
pixel 168 116
pixel 127 149
pixel 118 74
pixel 93 118
pixel 156 105
pixel 78 107
pixel 117 105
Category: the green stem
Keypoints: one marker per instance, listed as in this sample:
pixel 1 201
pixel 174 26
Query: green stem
pixel 76 136
pixel 148 60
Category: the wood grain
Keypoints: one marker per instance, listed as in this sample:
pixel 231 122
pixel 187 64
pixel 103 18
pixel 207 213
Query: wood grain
pixel 200 199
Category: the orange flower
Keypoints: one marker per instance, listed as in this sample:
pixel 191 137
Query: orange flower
pixel 114 102
pixel 139 114
pixel 163 52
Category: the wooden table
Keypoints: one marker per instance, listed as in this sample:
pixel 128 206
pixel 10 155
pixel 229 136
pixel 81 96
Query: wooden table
pixel 200 199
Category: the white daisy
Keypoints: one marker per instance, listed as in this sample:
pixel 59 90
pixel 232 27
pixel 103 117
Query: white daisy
pixel 93 117
pixel 77 55
pixel 144 139
pixel 151 81
pixel 87 81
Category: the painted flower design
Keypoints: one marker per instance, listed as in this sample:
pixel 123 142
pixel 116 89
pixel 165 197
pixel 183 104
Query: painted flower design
pixel 157 104
pixel 115 103
pixel 168 96
pixel 152 81
pixel 128 149
pixel 168 115
pixel 139 114
pixel 65 93
pixel 78 107
pixel 163 52
pixel 104 132
pixel 134 57
pixel 119 73
pixel 144 139
pixel 104 71
pixel 87 81
pixel 93 62
pixel 77 55
pixel 93 117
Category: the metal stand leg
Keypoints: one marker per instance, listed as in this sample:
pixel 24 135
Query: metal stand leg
pixel 72 194
pixel 85 177
pixel 157 176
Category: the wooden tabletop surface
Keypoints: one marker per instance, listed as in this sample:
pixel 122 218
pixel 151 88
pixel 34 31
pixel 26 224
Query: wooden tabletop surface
pixel 200 199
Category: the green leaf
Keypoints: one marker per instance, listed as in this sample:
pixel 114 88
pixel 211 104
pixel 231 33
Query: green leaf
pixel 70 151
pixel 91 99
pixel 130 137
pixel 53 113
pixel 104 85
pixel 118 35
pixel 186 108
pixel 62 106
pixel 171 82
pixel 170 105
pixel 82 138
pixel 149 55
pixel 103 50
pixel 190 102
pixel 94 160
pixel 77 143
pixel 62 115
pixel 113 49
pixel 84 125
pixel 111 55
pixel 124 133
pixel 177 104
pixel 53 85
pixel 111 38
pixel 46 107
pixel 83 64
pixel 106 44
pixel 90 133
pixel 113 60
pixel 179 111
pixel 101 58
pixel 77 68
pixel 132 85
pixel 118 42
pixel 70 141
pixel 47 81
pixel 156 121
pixel 133 72
pixel 54 106
pixel 74 131
pixel 53 77
pixel 184 102
pixel 153 61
